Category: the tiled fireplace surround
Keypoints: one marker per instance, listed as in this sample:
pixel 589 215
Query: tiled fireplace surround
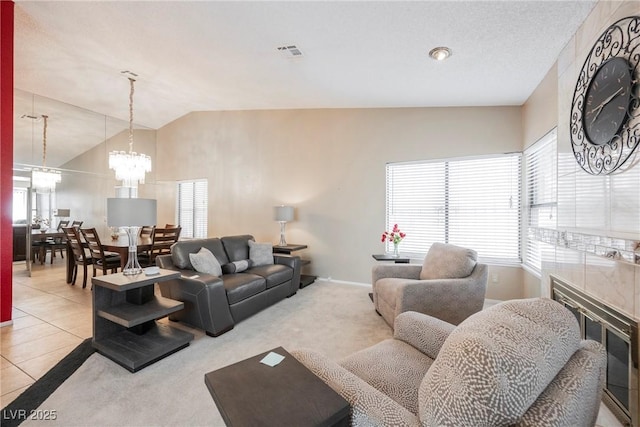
pixel 595 246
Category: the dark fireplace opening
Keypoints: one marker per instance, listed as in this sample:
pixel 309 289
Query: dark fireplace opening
pixel 619 334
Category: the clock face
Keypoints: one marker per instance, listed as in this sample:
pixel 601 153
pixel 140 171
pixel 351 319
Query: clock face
pixel 607 101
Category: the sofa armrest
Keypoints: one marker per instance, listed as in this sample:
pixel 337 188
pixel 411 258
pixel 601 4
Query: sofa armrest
pixel 451 300
pixel 369 406
pixel 295 263
pixel 575 393
pixel 423 332
pixel 288 260
pixel 402 271
pixel 204 295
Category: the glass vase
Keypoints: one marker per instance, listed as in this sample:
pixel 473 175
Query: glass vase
pixel 396 250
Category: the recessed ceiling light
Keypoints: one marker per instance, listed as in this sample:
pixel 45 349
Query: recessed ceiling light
pixel 440 53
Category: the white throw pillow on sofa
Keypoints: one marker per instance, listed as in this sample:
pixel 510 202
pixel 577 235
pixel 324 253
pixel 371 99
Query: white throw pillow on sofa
pixel 205 262
pixel 260 253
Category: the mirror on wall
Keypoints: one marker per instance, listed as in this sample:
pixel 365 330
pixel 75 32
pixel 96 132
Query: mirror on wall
pixel 78 142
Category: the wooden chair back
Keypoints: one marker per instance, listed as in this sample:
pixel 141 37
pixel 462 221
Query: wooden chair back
pixel 147 231
pixel 77 224
pixel 63 224
pixel 162 240
pixel 93 242
pixel 73 237
pixel 79 254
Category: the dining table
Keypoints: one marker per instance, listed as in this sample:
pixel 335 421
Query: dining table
pixel 42 235
pixel 119 245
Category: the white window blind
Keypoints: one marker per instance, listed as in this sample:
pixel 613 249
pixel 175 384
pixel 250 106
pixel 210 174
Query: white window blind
pixel 473 203
pixel 541 188
pixel 192 208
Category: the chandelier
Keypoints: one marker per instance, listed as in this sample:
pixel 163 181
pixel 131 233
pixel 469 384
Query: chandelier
pixel 44 180
pixel 131 167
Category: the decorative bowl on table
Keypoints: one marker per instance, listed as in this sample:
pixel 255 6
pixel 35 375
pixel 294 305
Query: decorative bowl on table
pixel 115 233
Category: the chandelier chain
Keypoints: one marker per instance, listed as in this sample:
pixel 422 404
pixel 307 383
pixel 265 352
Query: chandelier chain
pixel 131 116
pixel 44 141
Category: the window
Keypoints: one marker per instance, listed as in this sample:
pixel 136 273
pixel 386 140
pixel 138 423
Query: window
pixel 540 171
pixel 472 202
pixel 20 205
pixel 192 208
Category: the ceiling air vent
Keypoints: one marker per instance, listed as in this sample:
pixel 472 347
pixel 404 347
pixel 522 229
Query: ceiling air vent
pixel 291 51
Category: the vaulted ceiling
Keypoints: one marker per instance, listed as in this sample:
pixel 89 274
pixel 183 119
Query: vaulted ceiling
pixel 214 55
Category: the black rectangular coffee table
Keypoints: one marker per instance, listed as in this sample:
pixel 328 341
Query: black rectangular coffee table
pixel 250 393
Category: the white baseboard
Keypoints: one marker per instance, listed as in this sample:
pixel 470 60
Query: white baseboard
pixel 7 323
pixel 344 282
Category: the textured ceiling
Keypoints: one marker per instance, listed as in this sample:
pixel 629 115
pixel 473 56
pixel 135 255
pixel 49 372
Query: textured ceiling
pixel 211 55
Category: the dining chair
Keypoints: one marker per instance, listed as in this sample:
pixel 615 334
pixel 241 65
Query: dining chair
pixel 77 224
pixel 38 250
pixel 106 261
pixel 161 241
pixel 79 254
pixel 147 231
pixel 57 243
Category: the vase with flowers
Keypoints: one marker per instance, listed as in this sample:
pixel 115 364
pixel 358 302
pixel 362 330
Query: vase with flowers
pixel 395 236
pixel 40 223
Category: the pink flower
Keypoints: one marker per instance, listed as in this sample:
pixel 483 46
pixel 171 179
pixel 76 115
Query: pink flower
pixel 394 236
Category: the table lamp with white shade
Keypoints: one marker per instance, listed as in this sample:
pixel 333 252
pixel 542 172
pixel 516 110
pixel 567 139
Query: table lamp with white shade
pixel 131 214
pixel 283 214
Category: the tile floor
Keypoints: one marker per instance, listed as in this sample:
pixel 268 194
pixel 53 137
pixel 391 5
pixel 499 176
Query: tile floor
pixel 50 318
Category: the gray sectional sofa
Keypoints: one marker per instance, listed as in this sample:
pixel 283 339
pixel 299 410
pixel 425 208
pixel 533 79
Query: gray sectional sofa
pixel 216 301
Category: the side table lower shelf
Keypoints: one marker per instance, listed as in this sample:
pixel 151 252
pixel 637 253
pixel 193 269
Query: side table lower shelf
pixel 125 309
pixel 135 352
pixel 306 280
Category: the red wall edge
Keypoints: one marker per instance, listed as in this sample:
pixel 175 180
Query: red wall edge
pixel 6 158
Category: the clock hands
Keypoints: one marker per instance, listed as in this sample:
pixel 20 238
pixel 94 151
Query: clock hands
pixel 599 108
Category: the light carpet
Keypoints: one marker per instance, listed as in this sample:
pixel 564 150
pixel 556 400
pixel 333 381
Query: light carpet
pixel 335 319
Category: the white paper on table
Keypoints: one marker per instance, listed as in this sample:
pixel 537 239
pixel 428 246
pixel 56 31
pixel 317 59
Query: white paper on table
pixel 272 359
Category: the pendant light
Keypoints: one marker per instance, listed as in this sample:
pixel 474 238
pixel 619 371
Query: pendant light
pixel 44 180
pixel 130 167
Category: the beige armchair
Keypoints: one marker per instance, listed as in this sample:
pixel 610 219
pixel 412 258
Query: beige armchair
pixel 449 285
pixel 519 363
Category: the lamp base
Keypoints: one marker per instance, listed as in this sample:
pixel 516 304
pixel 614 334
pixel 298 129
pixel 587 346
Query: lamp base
pixel 133 266
pixel 283 242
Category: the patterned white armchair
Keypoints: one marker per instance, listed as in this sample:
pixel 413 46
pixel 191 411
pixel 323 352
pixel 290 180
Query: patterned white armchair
pixel 520 362
pixel 449 285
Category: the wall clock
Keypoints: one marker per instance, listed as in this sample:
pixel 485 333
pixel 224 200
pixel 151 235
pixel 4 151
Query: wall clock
pixel 605 112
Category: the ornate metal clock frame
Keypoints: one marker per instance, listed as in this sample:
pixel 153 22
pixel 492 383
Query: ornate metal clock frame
pixel 620 40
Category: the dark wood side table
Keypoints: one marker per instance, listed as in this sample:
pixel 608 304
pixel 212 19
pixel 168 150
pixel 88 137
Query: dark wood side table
pixel 397 260
pixel 250 393
pixel 124 312
pixel 305 279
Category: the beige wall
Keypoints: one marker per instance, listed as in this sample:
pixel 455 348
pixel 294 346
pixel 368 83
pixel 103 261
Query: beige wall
pixel 330 165
pixel 540 111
